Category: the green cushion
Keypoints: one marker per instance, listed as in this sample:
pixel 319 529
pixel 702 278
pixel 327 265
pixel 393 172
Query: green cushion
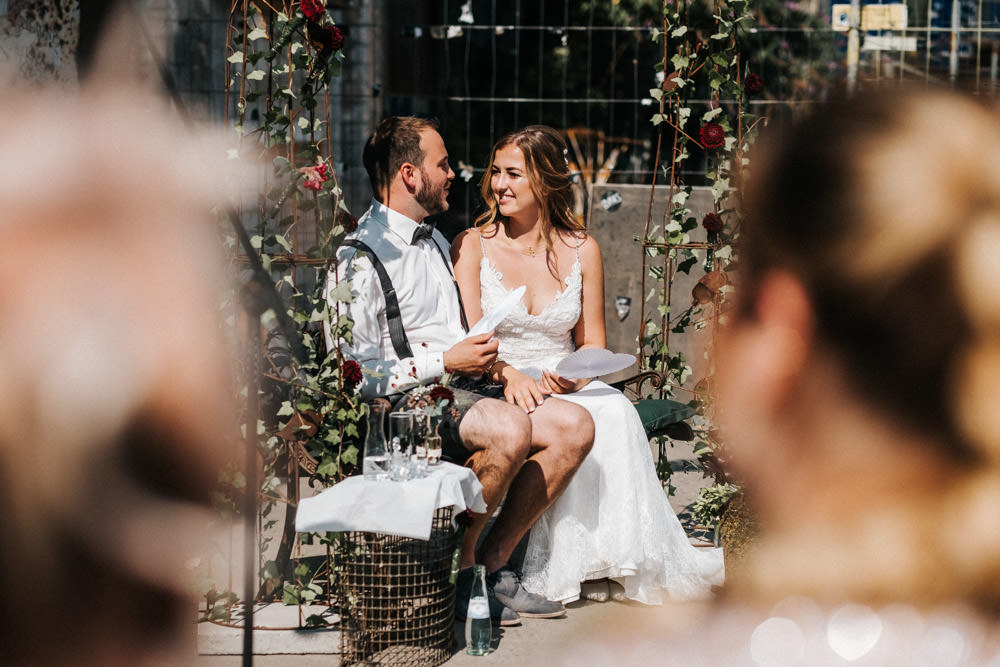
pixel 658 414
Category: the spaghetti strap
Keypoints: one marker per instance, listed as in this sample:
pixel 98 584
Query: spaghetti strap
pixel 482 242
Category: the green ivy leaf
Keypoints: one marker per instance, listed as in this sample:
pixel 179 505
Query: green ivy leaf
pixel 257 33
pixel 341 292
pixel 711 115
pixel 256 75
pixel 350 455
pixel 328 468
pixel 687 264
pixel 237 57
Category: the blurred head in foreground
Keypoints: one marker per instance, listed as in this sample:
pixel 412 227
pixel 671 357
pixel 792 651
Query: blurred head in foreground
pixel 114 389
pixel 860 373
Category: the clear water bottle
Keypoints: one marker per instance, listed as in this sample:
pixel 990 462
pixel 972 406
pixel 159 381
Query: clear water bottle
pixel 376 458
pixel 478 629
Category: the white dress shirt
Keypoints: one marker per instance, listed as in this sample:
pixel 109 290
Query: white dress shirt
pixel 425 289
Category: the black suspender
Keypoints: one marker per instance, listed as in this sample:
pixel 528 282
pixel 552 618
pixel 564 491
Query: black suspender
pixel 395 321
pixel 458 292
pixel 400 343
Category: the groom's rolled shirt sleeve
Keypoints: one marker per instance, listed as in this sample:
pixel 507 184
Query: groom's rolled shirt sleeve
pixel 371 347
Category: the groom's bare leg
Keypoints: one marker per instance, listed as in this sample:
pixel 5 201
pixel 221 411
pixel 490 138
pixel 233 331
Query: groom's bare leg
pixel 562 434
pixel 500 434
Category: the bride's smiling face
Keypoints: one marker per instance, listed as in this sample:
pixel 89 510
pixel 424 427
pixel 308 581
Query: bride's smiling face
pixel 509 180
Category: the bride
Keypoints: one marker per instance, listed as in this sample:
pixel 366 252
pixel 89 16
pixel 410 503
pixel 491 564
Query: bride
pixel 613 528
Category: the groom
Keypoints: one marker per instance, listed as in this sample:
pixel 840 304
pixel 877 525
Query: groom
pixel 409 329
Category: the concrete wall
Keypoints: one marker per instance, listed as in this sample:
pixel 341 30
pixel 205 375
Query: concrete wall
pixel 617 221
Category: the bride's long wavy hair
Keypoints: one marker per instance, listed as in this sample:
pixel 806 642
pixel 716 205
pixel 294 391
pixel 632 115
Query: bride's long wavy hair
pixel 545 152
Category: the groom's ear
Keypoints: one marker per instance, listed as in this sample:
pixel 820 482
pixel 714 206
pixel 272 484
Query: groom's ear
pixel 410 175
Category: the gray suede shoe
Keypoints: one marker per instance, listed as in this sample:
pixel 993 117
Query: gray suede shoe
pixel 506 585
pixel 499 614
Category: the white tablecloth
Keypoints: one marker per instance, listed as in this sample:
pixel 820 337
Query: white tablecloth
pixel 395 508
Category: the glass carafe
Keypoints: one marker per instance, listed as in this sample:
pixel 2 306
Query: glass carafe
pixel 376 457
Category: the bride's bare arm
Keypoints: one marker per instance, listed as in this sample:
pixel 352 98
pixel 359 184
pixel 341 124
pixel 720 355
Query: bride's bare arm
pixel 466 253
pixel 589 330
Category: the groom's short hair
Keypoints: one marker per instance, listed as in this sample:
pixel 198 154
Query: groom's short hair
pixel 395 141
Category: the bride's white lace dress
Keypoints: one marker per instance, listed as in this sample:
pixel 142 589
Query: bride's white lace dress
pixel 614 519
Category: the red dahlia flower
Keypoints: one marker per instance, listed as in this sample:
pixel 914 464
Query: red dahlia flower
pixel 440 393
pixel 753 84
pixel 351 372
pixel 712 135
pixel 712 222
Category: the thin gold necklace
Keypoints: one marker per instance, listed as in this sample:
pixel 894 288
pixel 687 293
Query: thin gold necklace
pixel 529 251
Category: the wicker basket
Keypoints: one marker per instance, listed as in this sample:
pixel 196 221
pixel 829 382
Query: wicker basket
pixel 398 604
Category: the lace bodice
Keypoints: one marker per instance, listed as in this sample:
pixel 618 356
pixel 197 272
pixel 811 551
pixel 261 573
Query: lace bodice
pixel 534 341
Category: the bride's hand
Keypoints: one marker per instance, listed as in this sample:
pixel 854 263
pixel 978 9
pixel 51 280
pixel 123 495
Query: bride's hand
pixel 557 384
pixel 520 389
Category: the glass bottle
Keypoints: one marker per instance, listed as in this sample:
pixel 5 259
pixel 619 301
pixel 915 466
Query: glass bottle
pixel 376 457
pixel 478 629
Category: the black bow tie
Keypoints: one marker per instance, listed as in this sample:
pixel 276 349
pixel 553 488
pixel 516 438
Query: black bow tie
pixel 423 231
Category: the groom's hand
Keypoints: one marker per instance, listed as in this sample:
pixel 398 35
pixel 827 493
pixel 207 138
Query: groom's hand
pixel 472 355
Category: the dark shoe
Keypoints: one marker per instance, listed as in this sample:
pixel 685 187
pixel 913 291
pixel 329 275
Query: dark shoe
pixel 499 614
pixel 506 585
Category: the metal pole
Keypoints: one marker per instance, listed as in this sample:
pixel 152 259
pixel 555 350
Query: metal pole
pixel 853 47
pixel 250 492
pixel 956 20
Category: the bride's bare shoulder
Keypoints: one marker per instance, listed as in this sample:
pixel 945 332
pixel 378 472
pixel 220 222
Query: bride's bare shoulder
pixel 466 246
pixel 582 243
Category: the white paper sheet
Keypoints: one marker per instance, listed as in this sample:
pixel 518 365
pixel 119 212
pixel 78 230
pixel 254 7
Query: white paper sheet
pixel 492 320
pixel 593 362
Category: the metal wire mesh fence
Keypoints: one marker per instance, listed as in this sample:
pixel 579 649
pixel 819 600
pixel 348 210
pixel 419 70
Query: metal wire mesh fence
pixel 485 67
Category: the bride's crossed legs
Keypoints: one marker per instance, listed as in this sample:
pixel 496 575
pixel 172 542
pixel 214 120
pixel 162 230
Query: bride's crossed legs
pixel 529 457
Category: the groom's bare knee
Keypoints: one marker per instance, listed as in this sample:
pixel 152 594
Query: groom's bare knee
pixel 565 428
pixel 501 429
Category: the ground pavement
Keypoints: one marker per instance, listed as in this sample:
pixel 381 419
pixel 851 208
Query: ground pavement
pixel 535 642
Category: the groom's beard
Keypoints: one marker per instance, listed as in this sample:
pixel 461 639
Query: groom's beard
pixel 434 200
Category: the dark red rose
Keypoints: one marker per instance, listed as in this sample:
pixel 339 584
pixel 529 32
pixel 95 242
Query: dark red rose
pixel 712 135
pixel 313 8
pixel 351 372
pixel 712 222
pixel 753 84
pixel 347 221
pixel 325 38
pixel 335 37
pixel 440 393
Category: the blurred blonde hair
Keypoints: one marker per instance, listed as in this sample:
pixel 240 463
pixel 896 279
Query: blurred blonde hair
pixel 886 208
pixel 115 408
